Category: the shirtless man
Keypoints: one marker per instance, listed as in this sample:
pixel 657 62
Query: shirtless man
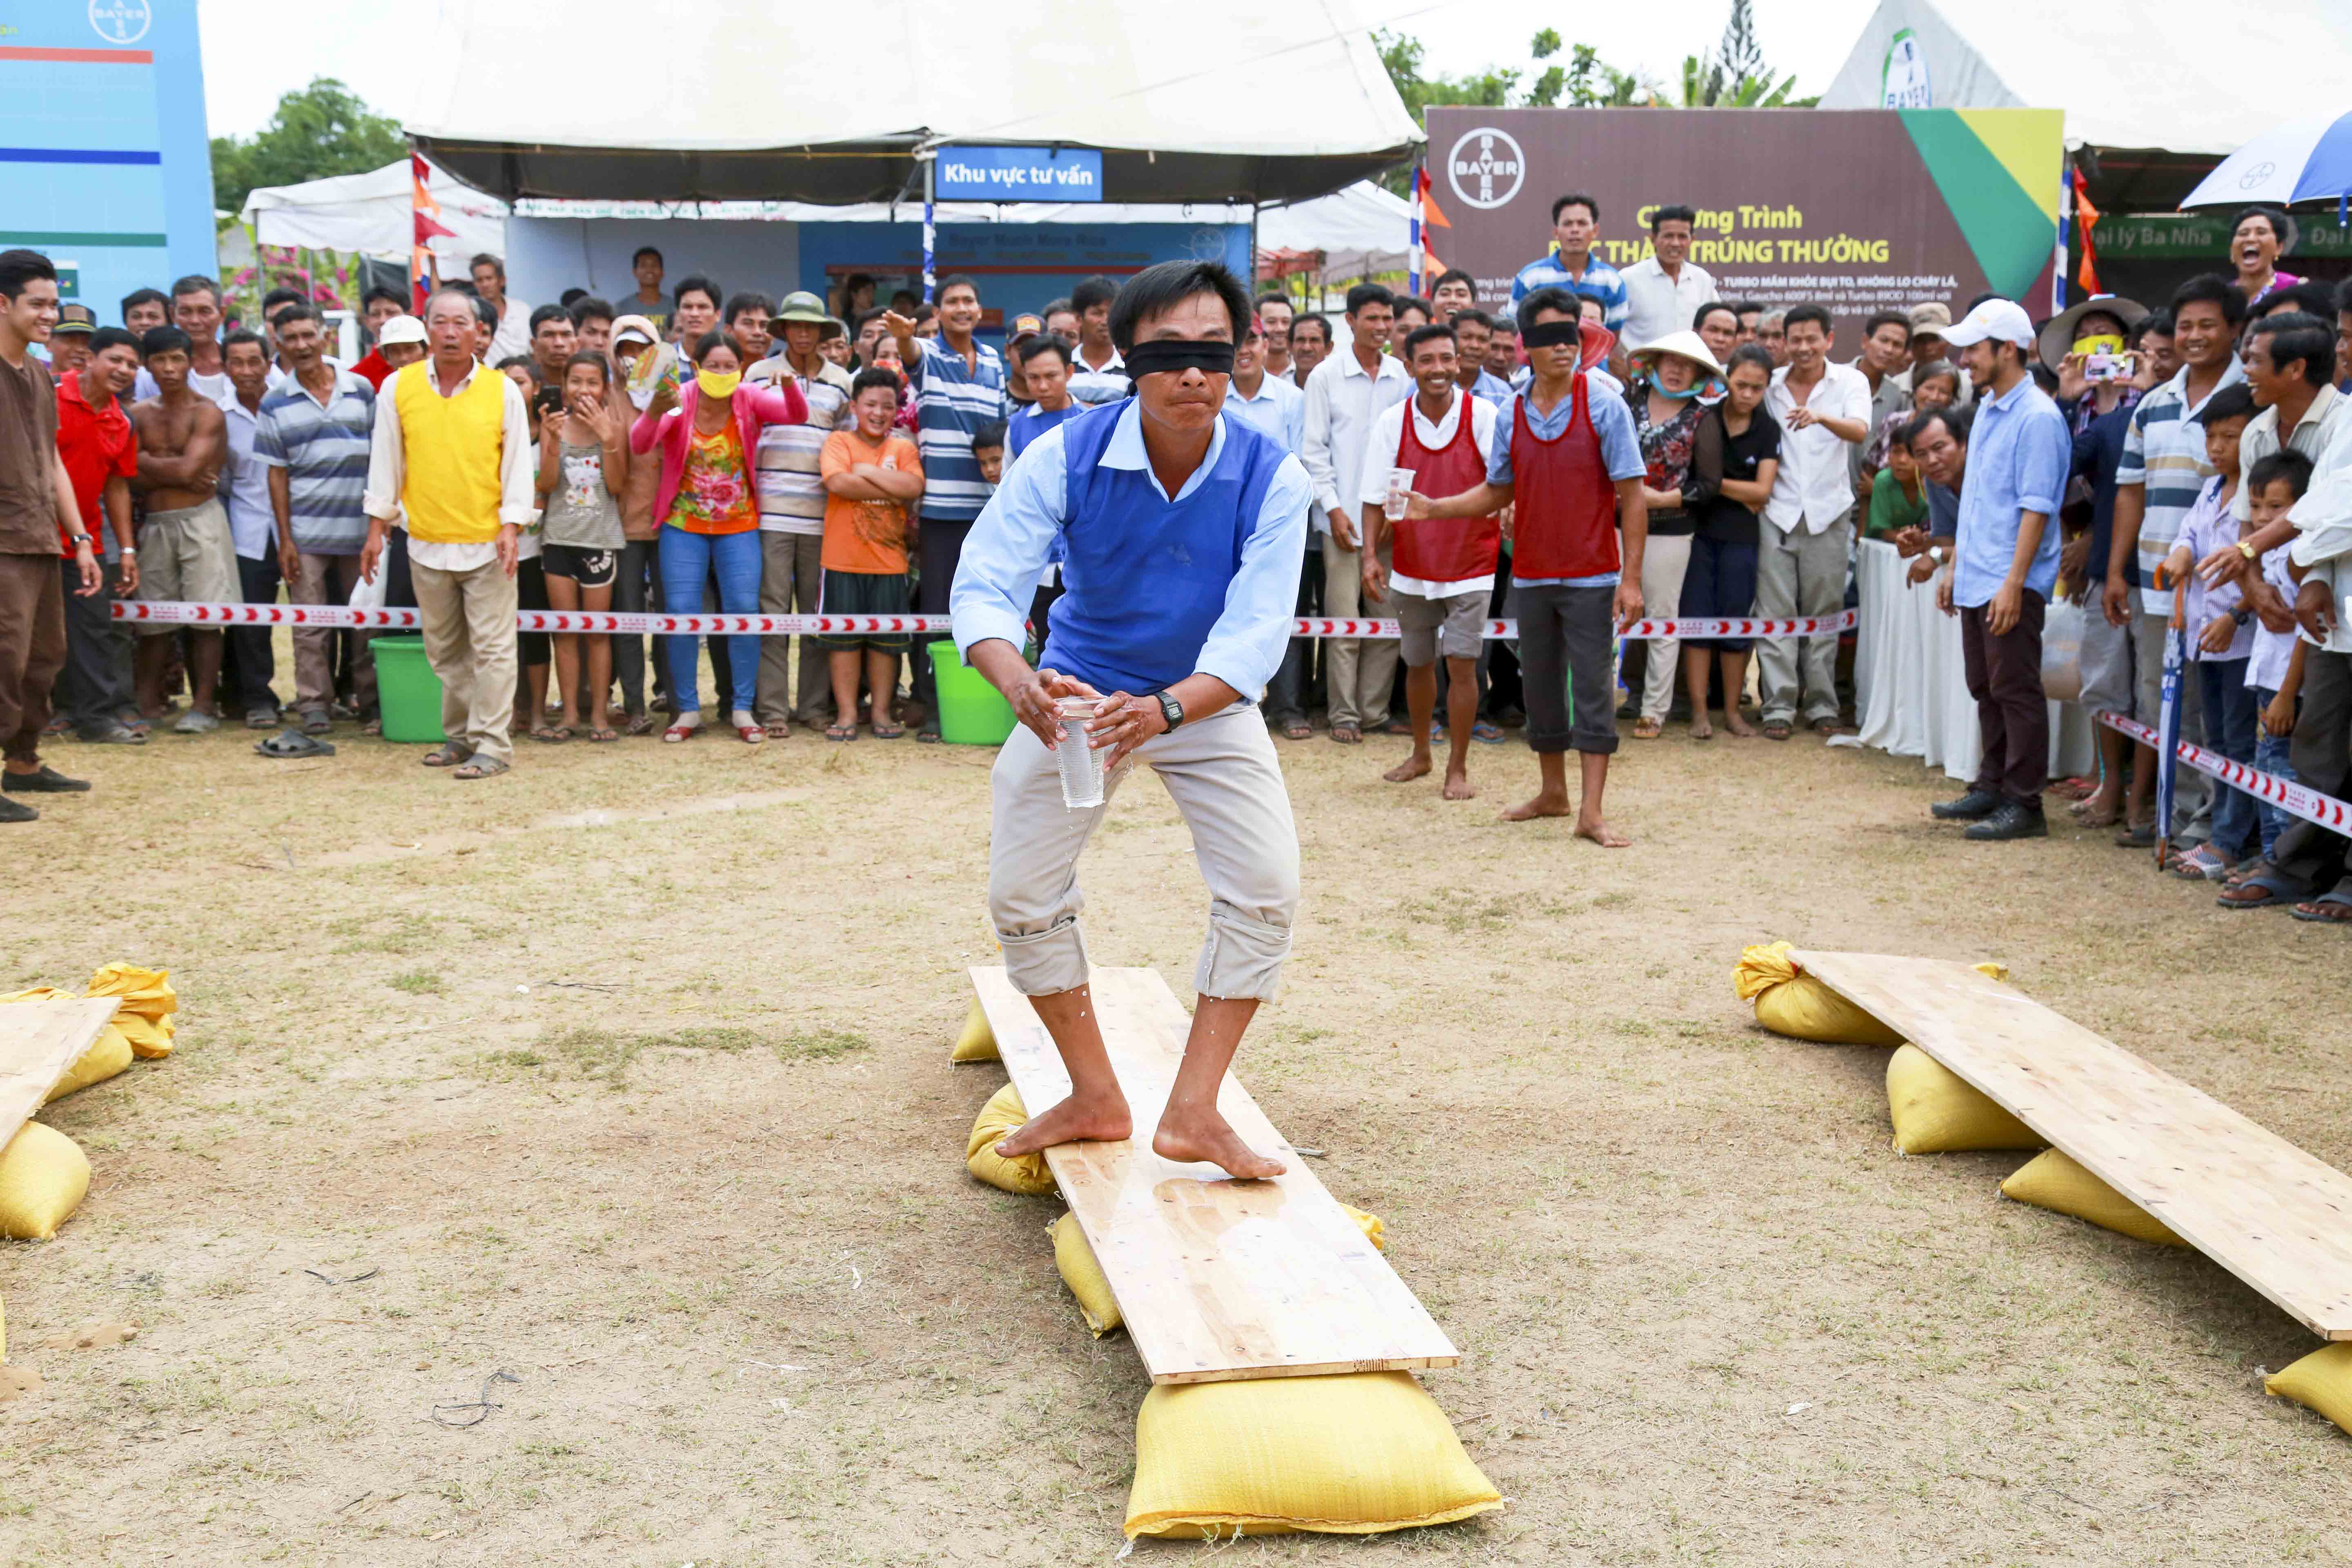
pixel 185 550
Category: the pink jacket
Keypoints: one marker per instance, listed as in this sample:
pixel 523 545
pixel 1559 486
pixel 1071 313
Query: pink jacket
pixel 756 407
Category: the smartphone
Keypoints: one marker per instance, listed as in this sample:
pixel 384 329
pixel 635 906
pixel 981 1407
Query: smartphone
pixel 548 400
pixel 2108 367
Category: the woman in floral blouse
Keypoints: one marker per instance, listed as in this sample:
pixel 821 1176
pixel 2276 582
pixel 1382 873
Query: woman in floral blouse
pixel 1668 376
pixel 707 433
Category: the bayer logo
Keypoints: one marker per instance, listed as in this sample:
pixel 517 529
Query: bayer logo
pixel 1485 167
pixel 120 21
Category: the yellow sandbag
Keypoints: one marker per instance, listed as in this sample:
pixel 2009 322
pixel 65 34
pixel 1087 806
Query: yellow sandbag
pixel 148 1004
pixel 1936 1111
pixel 1370 1223
pixel 2321 1381
pixel 1352 1454
pixel 1083 1276
pixel 1790 1002
pixel 999 1116
pixel 978 1041
pixel 2052 1180
pixel 107 1054
pixel 43 1175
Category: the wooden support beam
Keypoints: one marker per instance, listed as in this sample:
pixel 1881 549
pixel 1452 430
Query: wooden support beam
pixel 1218 1279
pixel 2278 1218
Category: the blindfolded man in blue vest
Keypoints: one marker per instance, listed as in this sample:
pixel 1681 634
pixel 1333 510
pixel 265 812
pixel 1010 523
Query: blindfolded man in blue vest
pixel 1182 535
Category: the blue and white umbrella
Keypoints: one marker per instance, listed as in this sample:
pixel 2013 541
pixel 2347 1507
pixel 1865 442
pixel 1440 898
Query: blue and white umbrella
pixel 2309 160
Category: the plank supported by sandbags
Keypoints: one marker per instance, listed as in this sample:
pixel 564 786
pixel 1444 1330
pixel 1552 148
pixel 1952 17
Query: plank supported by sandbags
pixel 2276 1217
pixel 38 1041
pixel 1217 1280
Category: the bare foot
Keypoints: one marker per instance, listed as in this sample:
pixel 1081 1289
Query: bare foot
pixel 1600 833
pixel 1457 785
pixel 1541 805
pixel 1073 1120
pixel 1205 1136
pixel 1407 771
pixel 1738 726
pixel 1701 729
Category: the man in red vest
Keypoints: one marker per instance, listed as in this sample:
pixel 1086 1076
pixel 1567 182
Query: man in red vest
pixel 1565 457
pixel 1444 571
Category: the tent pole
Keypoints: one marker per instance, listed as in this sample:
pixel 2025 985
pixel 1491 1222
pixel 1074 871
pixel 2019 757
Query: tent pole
pixel 930 230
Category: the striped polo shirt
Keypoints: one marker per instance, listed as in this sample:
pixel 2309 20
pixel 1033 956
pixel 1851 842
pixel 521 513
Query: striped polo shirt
pixel 791 491
pixel 1093 387
pixel 325 450
pixel 951 402
pixel 2164 449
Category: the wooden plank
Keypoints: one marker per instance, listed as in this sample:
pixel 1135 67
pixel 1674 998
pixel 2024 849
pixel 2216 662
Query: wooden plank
pixel 38 1041
pixel 1218 1279
pixel 2278 1218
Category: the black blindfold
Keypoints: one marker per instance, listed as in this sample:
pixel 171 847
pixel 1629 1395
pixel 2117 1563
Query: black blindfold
pixel 1157 354
pixel 1558 333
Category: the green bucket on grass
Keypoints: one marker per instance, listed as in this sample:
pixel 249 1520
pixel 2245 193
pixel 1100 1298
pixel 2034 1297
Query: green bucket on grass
pixel 972 712
pixel 408 689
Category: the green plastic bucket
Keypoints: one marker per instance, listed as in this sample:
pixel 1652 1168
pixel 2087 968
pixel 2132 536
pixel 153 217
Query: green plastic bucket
pixel 408 689
pixel 972 712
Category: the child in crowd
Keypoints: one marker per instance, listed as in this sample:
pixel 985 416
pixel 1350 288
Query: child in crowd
pixel 2220 639
pixel 873 477
pixel 583 468
pixel 531 574
pixel 988 451
pixel 2275 671
pixel 1898 500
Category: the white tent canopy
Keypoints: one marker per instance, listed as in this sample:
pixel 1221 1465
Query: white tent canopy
pixel 372 214
pixel 2181 74
pixel 1359 230
pixel 1223 100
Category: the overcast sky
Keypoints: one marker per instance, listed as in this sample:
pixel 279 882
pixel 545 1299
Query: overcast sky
pixel 251 56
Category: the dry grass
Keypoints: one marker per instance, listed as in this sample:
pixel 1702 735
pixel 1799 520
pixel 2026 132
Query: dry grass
pixel 628 1072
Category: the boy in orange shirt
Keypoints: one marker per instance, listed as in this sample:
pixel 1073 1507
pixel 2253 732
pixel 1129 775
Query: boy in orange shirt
pixel 872 481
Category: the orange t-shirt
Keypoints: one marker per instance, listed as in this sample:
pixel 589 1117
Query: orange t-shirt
pixel 866 535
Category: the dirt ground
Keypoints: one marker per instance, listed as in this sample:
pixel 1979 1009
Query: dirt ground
pixel 626 1074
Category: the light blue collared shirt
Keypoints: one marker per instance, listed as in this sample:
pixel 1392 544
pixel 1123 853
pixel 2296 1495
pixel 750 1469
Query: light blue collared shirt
pixel 2020 454
pixel 997 574
pixel 1492 388
pixel 1278 410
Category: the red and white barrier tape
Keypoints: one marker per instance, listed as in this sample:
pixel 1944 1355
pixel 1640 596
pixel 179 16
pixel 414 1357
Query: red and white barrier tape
pixel 641 623
pixel 2308 804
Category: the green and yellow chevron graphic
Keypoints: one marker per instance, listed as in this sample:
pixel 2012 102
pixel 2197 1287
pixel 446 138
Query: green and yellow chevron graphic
pixel 1998 171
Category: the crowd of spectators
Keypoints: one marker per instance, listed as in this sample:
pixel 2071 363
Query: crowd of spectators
pixel 685 446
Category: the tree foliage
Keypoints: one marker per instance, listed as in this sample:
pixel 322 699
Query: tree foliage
pixel 320 130
pixel 1733 75
pixel 1586 81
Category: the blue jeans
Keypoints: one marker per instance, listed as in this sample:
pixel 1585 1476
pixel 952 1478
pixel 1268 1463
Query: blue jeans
pixel 686 560
pixel 2230 729
pixel 2272 756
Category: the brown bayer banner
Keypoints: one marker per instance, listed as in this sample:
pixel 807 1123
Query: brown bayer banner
pixel 1856 209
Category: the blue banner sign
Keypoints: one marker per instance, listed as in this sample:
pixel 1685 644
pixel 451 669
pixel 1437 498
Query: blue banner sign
pixel 1018 174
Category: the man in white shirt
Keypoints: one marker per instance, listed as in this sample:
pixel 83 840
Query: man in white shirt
pixel 1664 288
pixel 1274 313
pixel 1098 375
pixel 1443 568
pixel 463 546
pixel 1344 394
pixel 1808 524
pixel 513 334
pixel 252 526
pixel 1274 407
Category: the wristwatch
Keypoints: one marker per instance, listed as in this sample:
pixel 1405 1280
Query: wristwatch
pixel 1169 708
pixel 1936 554
pixel 2248 551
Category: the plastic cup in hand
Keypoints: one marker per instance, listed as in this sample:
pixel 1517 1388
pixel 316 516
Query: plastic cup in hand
pixel 1081 764
pixel 1400 486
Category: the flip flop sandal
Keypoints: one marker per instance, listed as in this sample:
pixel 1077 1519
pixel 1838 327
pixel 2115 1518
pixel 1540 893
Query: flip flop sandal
pixel 316 723
pixel 444 756
pixel 1485 734
pixel 2271 889
pixel 481 768
pixel 678 732
pixel 292 744
pixel 641 724
pixel 751 734
pixel 1347 734
pixel 2141 837
pixel 2313 910
pixel 844 731
pixel 2199 865
pixel 1776 731
pixel 1298 730
pixel 552 734
pixel 886 732
pixel 779 732
pixel 1647 729
pixel 601 737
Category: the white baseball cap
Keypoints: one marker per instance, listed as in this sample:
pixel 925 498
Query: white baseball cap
pixel 2003 320
pixel 401 330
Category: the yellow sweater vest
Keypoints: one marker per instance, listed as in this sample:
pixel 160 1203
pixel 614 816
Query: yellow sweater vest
pixel 453 449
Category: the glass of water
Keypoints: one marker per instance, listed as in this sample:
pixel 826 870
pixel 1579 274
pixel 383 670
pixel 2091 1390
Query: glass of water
pixel 1081 763
pixel 1400 486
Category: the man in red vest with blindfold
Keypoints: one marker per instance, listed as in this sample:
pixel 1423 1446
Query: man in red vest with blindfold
pixel 1567 460
pixel 1440 574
